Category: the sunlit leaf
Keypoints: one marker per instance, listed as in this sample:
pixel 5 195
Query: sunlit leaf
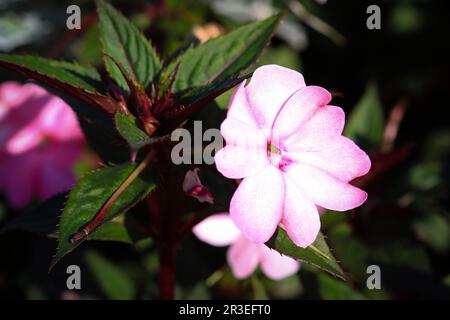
pixel 124 44
pixel 366 122
pixel 317 254
pixel 93 192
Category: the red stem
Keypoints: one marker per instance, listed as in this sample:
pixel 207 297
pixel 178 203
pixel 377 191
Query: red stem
pixel 167 271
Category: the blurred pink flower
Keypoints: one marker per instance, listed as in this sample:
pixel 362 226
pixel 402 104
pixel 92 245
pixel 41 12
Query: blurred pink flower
pixel 194 187
pixel 244 256
pixel 284 139
pixel 40 140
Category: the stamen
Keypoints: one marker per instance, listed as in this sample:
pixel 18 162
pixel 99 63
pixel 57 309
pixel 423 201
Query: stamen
pixel 273 149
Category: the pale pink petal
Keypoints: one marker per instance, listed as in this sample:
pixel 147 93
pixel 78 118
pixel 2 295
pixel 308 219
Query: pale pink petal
pixel 325 190
pixel 256 206
pixel 270 87
pixel 341 158
pixel 217 230
pixel 300 219
pixel 239 107
pixel 236 162
pixel 319 143
pixel 275 266
pixel 298 110
pixel 245 152
pixel 243 257
pixel 238 133
pixel 326 123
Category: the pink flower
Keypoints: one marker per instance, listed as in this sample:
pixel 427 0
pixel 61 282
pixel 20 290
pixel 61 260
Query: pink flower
pixel 244 256
pixel 284 139
pixel 194 187
pixel 40 140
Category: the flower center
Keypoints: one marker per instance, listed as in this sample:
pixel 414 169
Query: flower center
pixel 276 157
pixel 273 149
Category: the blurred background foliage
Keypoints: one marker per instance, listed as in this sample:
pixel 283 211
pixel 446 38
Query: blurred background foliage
pixel 392 83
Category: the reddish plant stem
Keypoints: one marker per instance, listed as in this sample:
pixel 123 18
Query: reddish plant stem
pixel 167 271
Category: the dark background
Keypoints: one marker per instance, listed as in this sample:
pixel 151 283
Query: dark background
pixel 403 227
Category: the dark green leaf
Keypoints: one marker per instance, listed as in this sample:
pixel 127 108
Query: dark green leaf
pixel 100 132
pixel 366 123
pixel 114 282
pixel 43 220
pixel 128 127
pixel 215 63
pixel 73 74
pixel 78 82
pixel 434 230
pixel 124 44
pixel 112 231
pixel 317 254
pixel 329 288
pixel 90 195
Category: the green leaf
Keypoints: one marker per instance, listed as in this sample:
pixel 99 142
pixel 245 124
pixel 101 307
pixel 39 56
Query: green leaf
pixel 100 132
pixel 215 63
pixel 123 185
pixel 43 220
pixel 317 254
pixel 329 288
pixel 128 127
pixel 79 82
pixel 114 282
pixel 84 77
pixel 124 44
pixel 434 230
pixel 112 231
pixel 366 123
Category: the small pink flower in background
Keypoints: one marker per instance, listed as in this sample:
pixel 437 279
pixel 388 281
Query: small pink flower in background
pixel 244 256
pixel 194 187
pixel 284 139
pixel 40 140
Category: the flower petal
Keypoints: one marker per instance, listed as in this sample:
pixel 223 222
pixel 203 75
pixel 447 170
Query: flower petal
pixel 59 121
pixel 238 133
pixel 243 257
pixel 275 266
pixel 217 230
pixel 239 107
pixel 341 158
pixel 52 179
pixel 193 187
pixel 301 218
pixel 326 123
pixel 25 140
pixel 18 186
pixel 319 143
pixel 245 153
pixel 256 206
pixel 325 190
pixel 270 87
pixel 239 162
pixel 298 110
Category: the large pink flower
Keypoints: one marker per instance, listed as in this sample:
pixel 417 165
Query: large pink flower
pixel 244 256
pixel 284 139
pixel 40 140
